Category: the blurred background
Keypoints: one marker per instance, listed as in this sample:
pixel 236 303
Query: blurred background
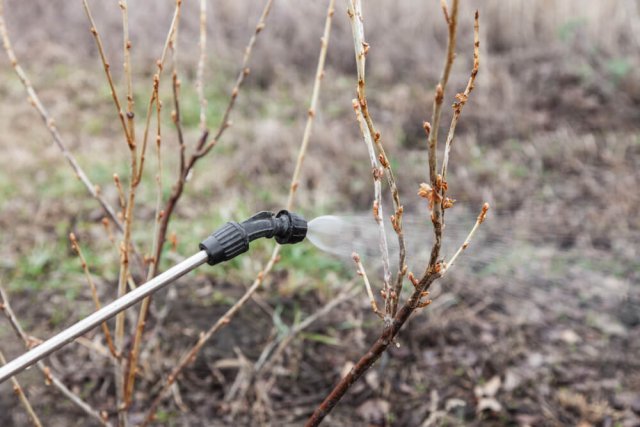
pixel 539 323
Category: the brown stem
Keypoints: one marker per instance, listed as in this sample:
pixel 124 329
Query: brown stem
pixel 132 366
pixel 94 292
pixel 373 354
pixel 432 129
pixel 361 50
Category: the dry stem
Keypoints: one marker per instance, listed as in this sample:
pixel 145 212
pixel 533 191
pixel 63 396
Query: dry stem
pixel 462 98
pixel 377 205
pixel 126 48
pixel 202 59
pixel 107 71
pixel 467 241
pixel 432 128
pixel 361 272
pixel 94 292
pixel 129 383
pixel 244 72
pixel 361 49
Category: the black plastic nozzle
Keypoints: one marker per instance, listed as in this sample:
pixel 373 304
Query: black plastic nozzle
pixel 232 239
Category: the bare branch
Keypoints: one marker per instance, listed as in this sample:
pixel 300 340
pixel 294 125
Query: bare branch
pixel 126 47
pixel 107 72
pixel 462 98
pixel 377 205
pixel 361 272
pixel 435 195
pixel 94 292
pixel 432 128
pixel 202 59
pixel 244 72
pixel 361 49
pixel 467 241
pixel 311 113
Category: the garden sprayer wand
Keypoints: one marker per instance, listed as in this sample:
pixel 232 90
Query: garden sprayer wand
pixel 229 241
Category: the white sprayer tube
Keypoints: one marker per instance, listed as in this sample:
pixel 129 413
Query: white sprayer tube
pixel 68 335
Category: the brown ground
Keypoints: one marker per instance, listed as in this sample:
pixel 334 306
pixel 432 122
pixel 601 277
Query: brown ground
pixel 538 325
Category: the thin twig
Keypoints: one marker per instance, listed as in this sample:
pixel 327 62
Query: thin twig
pixel 17 389
pixel 107 72
pixel 361 272
pixel 126 48
pixel 129 383
pixel 377 205
pixel 50 124
pixel 311 112
pixel 50 378
pixel 156 82
pixel 432 128
pixel 361 49
pixel 467 241
pixel 202 59
pixel 226 318
pixel 94 292
pixel 462 98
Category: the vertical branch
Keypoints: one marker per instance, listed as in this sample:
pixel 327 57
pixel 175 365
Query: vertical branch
pixel 462 98
pixel 50 378
pixel 17 389
pixel 176 100
pixel 361 47
pixel 275 255
pixel 202 59
pixel 156 83
pixel 431 129
pixel 126 47
pixel 377 206
pixel 129 383
pixel 94 292
pixel 107 72
pixel 361 272
pixel 311 112
pixel 50 124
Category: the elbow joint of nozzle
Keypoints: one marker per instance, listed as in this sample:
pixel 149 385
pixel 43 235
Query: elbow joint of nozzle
pixel 232 239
